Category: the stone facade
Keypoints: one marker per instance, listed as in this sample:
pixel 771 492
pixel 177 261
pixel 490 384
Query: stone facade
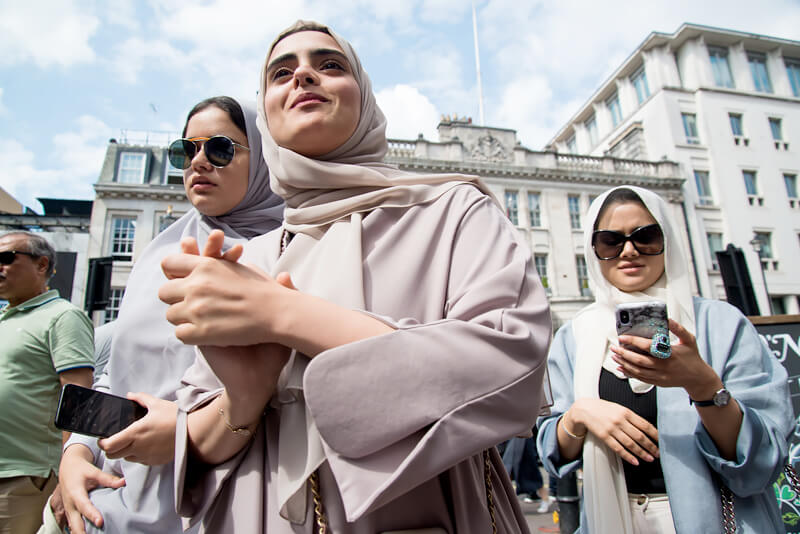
pixel 725 106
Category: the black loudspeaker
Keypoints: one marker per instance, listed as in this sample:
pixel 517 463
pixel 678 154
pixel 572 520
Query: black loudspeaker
pixel 736 277
pixel 98 285
pixel 64 273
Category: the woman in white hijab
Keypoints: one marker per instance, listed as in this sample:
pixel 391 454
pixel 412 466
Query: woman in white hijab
pixel 658 437
pixel 415 339
pixel 226 180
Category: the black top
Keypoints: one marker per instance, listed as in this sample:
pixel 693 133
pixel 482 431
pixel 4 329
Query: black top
pixel 647 477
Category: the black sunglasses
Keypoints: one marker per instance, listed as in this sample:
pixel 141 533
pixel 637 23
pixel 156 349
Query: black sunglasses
pixel 647 240
pixel 219 151
pixel 7 257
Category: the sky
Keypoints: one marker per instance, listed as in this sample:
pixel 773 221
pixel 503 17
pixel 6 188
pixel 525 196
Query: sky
pixel 75 73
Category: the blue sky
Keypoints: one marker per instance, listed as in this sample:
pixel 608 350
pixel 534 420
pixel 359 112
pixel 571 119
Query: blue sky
pixel 75 73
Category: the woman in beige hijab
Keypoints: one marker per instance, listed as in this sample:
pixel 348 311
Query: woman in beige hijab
pixel 414 341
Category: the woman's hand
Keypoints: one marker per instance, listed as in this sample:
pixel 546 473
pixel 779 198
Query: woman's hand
pixel 627 434
pixel 151 439
pixel 77 475
pixel 216 301
pixel 684 368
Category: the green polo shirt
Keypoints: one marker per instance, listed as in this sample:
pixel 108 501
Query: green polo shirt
pixel 40 338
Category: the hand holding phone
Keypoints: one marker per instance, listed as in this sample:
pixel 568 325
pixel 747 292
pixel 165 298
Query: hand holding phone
pixel 647 320
pixel 95 413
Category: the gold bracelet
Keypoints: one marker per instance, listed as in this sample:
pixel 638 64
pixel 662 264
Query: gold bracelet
pixel 238 430
pixel 567 432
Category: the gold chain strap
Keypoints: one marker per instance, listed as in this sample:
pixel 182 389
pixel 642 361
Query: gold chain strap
pixel 322 519
pixel 319 512
pixel 487 472
pixel 728 513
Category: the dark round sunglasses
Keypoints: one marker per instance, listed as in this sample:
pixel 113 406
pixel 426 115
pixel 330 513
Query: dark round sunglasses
pixel 647 240
pixel 7 257
pixel 219 151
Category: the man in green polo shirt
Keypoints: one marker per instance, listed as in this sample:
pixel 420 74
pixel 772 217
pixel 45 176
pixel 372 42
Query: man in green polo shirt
pixel 44 342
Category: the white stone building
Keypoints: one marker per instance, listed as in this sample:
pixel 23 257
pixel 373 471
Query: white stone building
pixel 725 105
pixel 545 194
pixel 138 193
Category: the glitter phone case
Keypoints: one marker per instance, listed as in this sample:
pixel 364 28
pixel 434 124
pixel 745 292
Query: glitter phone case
pixel 647 320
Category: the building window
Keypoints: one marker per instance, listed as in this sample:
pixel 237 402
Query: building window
pixel 720 67
pixel 534 209
pixel 583 276
pixel 172 174
pixel 614 109
pixel 540 260
pixel 591 128
pixel 123 230
pixel 639 81
pixel 790 181
pixel 778 305
pixel 750 184
pixel 572 146
pixel 765 250
pixel 793 72
pixel 512 206
pixel 690 128
pixel 703 188
pixel 737 129
pixel 736 124
pixel 758 68
pixel 574 203
pixel 131 167
pixel 114 300
pixel 714 246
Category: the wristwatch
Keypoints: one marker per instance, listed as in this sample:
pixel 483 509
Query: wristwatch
pixel 721 398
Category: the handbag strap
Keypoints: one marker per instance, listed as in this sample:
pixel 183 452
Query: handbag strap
pixel 728 513
pixel 791 476
pixel 322 519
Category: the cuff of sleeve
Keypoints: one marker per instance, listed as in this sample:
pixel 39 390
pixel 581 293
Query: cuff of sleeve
pixel 547 443
pixel 89 442
pixel 758 459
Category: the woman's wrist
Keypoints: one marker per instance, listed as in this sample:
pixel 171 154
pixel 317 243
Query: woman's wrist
pixel 238 412
pixel 572 427
pixel 705 384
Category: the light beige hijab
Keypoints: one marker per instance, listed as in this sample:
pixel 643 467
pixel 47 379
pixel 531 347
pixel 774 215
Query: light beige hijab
pixel 326 200
pixel 605 492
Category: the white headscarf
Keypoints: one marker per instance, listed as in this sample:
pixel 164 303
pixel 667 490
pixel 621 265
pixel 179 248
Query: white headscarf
pixel 605 492
pixel 145 354
pixel 326 199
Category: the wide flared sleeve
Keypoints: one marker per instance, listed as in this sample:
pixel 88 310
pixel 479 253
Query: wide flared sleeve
pixel 561 367
pixel 398 409
pixel 758 383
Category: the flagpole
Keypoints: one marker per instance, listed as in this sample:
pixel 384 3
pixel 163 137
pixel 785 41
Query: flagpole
pixel 478 64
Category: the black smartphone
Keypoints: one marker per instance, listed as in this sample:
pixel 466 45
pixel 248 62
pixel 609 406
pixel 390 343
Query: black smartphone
pixel 95 413
pixel 648 320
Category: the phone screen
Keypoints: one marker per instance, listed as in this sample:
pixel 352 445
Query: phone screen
pixel 95 413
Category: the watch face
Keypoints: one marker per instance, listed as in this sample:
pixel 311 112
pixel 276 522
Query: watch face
pixel 722 397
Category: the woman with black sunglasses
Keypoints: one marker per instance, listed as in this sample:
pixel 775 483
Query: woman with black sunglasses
pixel 226 181
pixel 658 437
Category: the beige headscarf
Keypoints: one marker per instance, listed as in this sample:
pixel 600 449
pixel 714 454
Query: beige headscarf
pixel 326 199
pixel 605 492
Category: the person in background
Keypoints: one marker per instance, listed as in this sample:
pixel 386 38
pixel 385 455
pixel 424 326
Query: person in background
pixel 226 180
pixel 415 338
pixel 47 342
pixel 659 437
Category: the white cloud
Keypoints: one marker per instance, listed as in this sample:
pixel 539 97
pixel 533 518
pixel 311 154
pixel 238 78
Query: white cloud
pixel 408 113
pixel 2 107
pixel 134 55
pixel 77 158
pixel 56 33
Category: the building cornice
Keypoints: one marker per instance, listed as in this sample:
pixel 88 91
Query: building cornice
pixel 161 192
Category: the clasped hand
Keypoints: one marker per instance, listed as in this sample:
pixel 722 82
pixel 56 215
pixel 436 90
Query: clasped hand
pixel 213 300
